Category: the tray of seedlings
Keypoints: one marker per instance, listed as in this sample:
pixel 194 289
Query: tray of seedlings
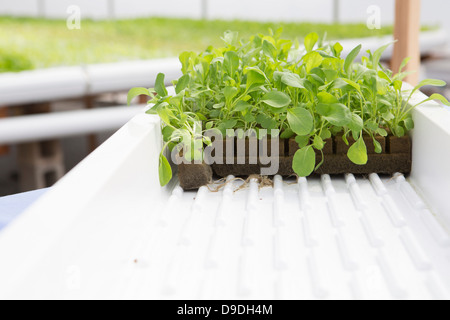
pixel 268 106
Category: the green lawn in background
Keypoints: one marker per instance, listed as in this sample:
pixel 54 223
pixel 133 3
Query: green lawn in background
pixel 40 43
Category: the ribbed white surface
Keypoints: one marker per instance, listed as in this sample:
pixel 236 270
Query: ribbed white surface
pixel 338 238
pixel 318 238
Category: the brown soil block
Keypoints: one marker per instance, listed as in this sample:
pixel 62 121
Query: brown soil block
pixel 237 170
pixel 399 145
pixel 193 176
pixel 396 157
pixel 377 163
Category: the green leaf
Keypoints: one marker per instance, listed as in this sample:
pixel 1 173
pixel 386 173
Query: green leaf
pixel 300 121
pixel 231 62
pixel 242 105
pixel 230 93
pixel 133 93
pixel 167 133
pixel 436 96
pixel 387 116
pixel 229 124
pixel 382 132
pixel 378 147
pixel 439 97
pixel 230 37
pixel 219 105
pixel 409 124
pixel 398 85
pixel 249 118
pixel 384 76
pixel 276 99
pixel 304 161
pixel 318 143
pixel 338 49
pixel 325 97
pixel 376 57
pixel 356 124
pixel 287 134
pixel 336 113
pixel 209 125
pixel 310 41
pixel 312 60
pixel 330 74
pixel 326 134
pixel 353 84
pixel 255 77
pixel 182 83
pixel 165 171
pixel 372 125
pixel 302 141
pixel 357 153
pixel 266 122
pixel 430 82
pixel 185 58
pixel 292 80
pixel 160 87
pixel 399 131
pixel 351 57
pixel 165 115
pixel 269 50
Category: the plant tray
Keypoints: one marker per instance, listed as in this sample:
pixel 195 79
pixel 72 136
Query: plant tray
pixel 395 157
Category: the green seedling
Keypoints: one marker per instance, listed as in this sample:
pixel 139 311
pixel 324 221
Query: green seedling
pixel 267 82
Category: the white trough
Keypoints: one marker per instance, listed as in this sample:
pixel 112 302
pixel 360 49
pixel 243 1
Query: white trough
pixel 75 82
pixel 47 126
pixel 108 230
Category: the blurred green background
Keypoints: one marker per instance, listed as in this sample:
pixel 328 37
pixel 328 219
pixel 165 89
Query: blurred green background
pixel 27 43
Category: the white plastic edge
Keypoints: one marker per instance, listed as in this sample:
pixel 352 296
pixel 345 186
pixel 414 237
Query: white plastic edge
pixel 126 156
pixel 431 155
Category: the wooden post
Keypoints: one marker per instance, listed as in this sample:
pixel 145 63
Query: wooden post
pixel 143 99
pixel 407 32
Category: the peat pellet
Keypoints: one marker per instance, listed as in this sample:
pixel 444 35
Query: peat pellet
pixel 265 147
pixel 293 147
pixel 327 149
pixel 377 163
pixel 194 176
pixel 400 145
pixel 285 168
pixel 342 148
pixel 238 170
pixel 246 149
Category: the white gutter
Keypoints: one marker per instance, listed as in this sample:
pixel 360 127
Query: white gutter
pixel 47 126
pixel 429 42
pixel 75 82
pixel 125 75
